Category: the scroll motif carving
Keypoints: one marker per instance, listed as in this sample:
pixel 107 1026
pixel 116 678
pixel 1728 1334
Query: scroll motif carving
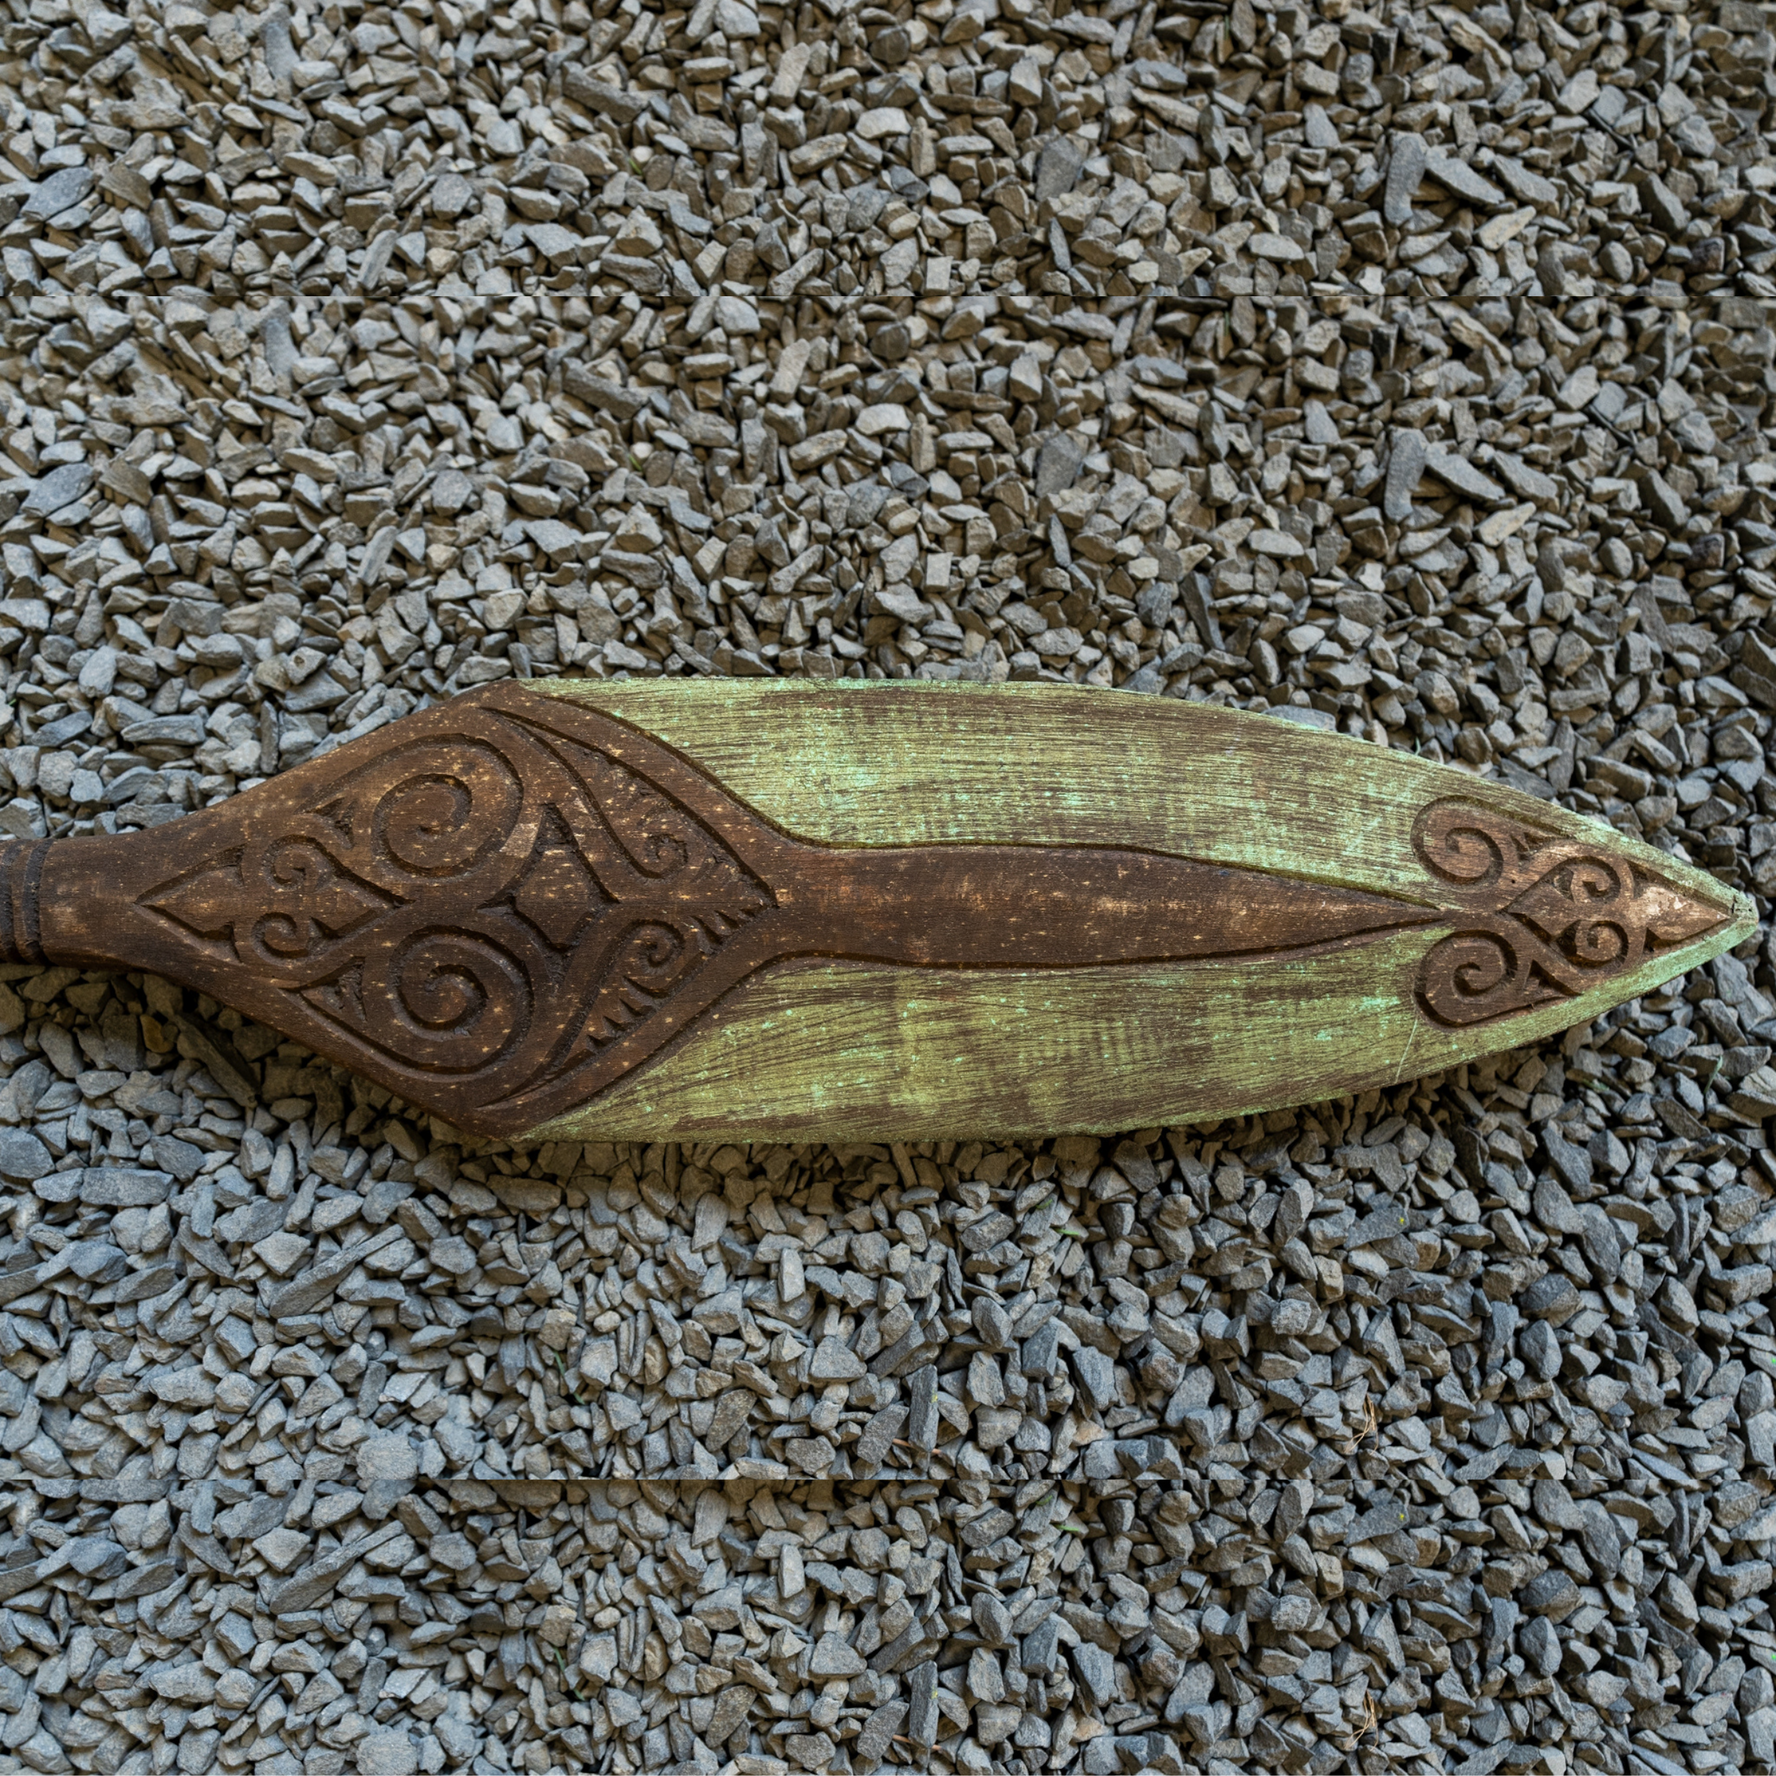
pixel 1537 918
pixel 488 906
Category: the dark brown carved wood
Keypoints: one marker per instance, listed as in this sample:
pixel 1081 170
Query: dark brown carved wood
pixel 501 907
pixel 1538 918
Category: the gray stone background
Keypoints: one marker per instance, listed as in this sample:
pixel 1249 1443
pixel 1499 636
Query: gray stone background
pixel 1404 369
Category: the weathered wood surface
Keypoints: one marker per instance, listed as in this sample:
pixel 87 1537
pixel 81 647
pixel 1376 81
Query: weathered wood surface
pixel 779 910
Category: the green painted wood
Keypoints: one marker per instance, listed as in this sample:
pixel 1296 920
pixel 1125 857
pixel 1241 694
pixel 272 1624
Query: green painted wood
pixel 840 1052
pixel 833 1051
pixel 1041 764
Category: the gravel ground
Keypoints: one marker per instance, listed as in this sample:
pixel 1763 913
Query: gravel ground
pixel 1403 370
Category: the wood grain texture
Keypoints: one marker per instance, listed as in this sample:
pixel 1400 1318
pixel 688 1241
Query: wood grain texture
pixel 848 762
pixel 824 1050
pixel 843 1052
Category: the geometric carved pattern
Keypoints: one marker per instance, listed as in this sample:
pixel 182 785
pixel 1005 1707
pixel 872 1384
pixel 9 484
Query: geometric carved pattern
pixel 495 905
pixel 1538 918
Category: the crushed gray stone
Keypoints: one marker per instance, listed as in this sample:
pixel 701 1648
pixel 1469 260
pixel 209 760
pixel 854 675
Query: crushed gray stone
pixel 1401 371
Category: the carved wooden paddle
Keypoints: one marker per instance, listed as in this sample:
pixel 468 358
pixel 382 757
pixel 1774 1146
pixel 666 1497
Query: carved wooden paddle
pixel 775 910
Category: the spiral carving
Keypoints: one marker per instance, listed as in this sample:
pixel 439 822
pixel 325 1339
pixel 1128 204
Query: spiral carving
pixel 438 810
pixel 649 962
pixel 454 997
pixel 1538 917
pixel 1472 976
pixel 485 905
pixel 1467 845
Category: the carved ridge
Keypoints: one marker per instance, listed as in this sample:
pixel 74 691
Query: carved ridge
pixel 21 889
